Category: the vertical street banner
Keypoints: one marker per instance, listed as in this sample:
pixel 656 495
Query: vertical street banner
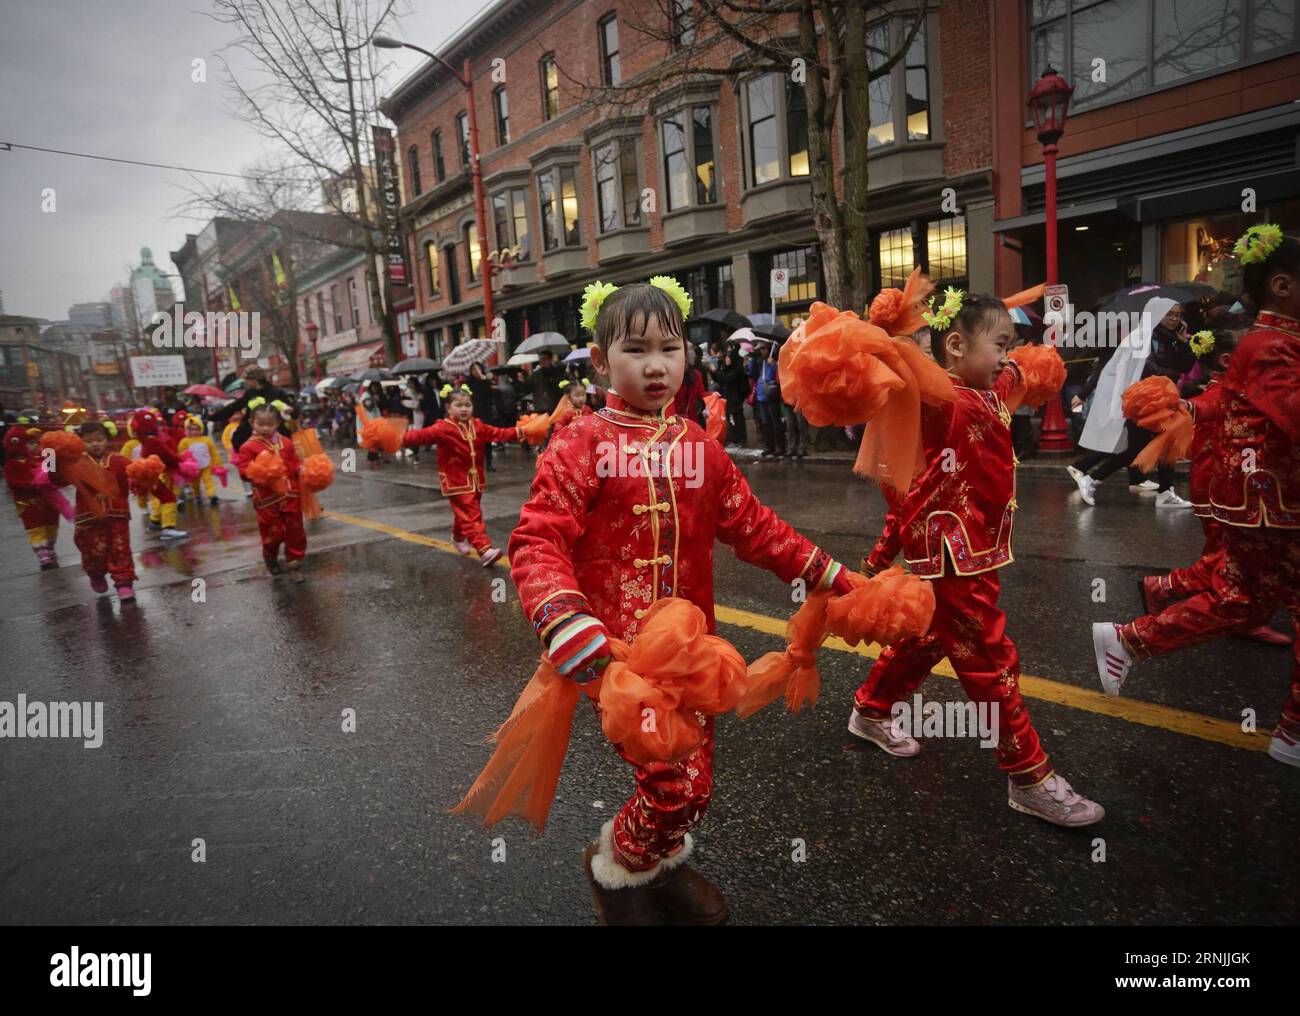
pixel 391 196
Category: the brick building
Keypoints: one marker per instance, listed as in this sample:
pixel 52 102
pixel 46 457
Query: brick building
pixel 1190 120
pixel 725 158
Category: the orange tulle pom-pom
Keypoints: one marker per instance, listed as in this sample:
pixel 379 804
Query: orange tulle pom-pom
pixel 267 471
pixel 74 466
pixel 673 669
pixel 65 444
pixel 716 423
pixel 317 473
pixel 383 434
pixel 307 443
pixel 898 311
pixel 1154 404
pixel 533 426
pixel 1042 375
pixel 145 472
pixel 891 606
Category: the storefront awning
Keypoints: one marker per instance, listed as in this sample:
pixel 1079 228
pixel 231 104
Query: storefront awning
pixel 352 359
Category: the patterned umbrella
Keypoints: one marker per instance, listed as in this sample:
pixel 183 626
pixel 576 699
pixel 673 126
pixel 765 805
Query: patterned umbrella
pixel 473 351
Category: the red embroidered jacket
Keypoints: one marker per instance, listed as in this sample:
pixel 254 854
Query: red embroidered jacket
pixel 1256 476
pixel 33 509
pixel 277 445
pixel 625 508
pixel 117 506
pixel 966 498
pixel 460 448
pixel 1207 409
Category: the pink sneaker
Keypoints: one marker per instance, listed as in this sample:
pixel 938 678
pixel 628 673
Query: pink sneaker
pixel 884 734
pixel 99 583
pixel 1284 747
pixel 462 547
pixel 492 555
pixel 125 593
pixel 1055 801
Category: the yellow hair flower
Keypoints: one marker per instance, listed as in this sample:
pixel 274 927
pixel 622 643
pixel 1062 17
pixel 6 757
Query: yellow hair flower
pixel 942 317
pixel 256 403
pixel 1202 342
pixel 674 289
pixel 593 297
pixel 111 427
pixel 279 406
pixel 1257 243
pixel 565 383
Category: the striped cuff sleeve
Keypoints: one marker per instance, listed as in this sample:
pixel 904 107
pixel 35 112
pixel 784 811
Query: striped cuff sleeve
pixel 579 648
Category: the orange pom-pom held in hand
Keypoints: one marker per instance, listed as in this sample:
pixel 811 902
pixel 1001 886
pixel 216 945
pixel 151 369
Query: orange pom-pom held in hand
pixel 145 472
pixel 1154 404
pixel 267 471
pixel 533 427
pixel 1042 375
pixel 899 311
pixel 317 473
pixel 383 434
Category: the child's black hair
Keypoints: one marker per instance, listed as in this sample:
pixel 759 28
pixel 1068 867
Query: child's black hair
pixel 266 407
pixel 635 304
pixel 979 312
pixel 1225 342
pixel 92 427
pixel 1286 258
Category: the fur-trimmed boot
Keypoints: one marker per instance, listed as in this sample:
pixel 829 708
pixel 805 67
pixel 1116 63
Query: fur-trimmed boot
pixel 670 888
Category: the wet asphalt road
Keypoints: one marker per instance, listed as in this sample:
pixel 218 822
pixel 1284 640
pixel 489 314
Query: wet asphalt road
pixel 224 723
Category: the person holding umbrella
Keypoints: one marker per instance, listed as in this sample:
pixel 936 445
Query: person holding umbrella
pixel 735 389
pixel 546 379
pixel 256 386
pixel 485 403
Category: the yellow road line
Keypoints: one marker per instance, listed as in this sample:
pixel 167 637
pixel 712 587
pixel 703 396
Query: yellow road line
pixel 1148 714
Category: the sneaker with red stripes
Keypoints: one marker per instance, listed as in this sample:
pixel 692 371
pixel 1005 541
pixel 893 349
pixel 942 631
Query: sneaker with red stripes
pixel 1284 747
pixel 1114 660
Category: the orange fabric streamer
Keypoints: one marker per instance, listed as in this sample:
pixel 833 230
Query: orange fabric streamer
pixel 839 370
pixel 317 474
pixel 898 311
pixel 673 669
pixel 145 472
pixel 716 424
pixel 1154 404
pixel 74 466
pixel 1026 296
pixel 267 471
pixel 1042 376
pixel 534 426
pixel 383 434
pixel 307 443
pixel 891 606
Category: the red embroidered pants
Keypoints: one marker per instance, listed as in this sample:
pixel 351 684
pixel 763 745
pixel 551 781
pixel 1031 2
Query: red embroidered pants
pixel 970 630
pixel 1196 578
pixel 105 547
pixel 1259 572
pixel 467 520
pixel 282 523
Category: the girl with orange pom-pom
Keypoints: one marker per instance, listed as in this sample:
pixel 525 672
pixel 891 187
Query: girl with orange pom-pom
pixel 953 526
pixel 269 461
pixel 618 521
pixel 103 532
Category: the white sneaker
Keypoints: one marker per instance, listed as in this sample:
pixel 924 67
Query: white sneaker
pixel 491 556
pixel 173 534
pixel 462 547
pixel 1144 486
pixel 1055 801
pixel 1284 748
pixel 1087 488
pixel 884 734
pixel 1074 473
pixel 1114 661
pixel 1170 499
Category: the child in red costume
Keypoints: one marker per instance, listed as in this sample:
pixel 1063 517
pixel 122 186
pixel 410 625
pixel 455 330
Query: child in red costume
pixel 28 481
pixel 1254 491
pixel 624 509
pixel 105 540
pixel 1158 591
pixel 954 527
pixel 460 441
pixel 155 439
pixel 279 509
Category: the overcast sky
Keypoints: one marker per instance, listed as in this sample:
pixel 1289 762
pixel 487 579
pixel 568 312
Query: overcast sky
pixel 112 77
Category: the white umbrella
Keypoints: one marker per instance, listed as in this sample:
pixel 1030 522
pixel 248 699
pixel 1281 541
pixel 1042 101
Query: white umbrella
pixel 324 383
pixel 742 335
pixel 551 341
pixel 472 351
pixel 519 359
pixel 579 354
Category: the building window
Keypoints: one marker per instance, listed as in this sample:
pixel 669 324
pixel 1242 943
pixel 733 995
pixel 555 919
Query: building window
pixel 1148 44
pixel 453 274
pixel 945 249
pixel 917 81
pixel 764 146
pixel 414 156
pixel 353 308
pixel 462 132
pixel 618 189
pixel 726 287
pixel 338 312
pixel 896 256
pixel 321 319
pixel 688 152
pixel 435 276
pixel 910 78
pixel 802 264
pixel 502 108
pixel 609 51
pixel 439 167
pixel 510 216
pixel 683 23
pixel 473 251
pixel 550 87
pixel 1200 249
pixel 557 191
pixel 796 129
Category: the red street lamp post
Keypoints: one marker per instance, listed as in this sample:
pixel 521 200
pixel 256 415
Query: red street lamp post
pixel 1050 103
pixel 313 333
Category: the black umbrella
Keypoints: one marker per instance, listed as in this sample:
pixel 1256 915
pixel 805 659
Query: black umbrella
pixel 1133 299
pixel 415 365
pixel 372 374
pixel 777 332
pixel 726 319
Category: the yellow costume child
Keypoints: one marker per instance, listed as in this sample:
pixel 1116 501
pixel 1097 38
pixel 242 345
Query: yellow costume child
pixel 131 450
pixel 205 452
